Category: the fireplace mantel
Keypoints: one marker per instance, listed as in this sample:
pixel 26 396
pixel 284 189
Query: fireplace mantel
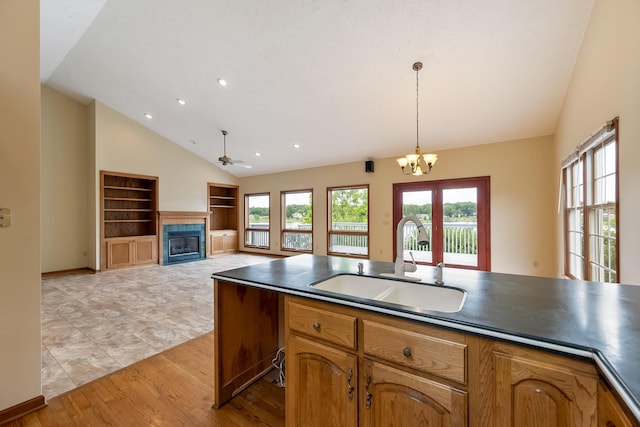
pixel 180 217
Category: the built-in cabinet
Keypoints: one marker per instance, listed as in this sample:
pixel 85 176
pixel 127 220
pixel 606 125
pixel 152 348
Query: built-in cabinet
pixel 349 368
pixel 354 367
pixel 534 388
pixel 127 251
pixel 129 228
pixel 223 207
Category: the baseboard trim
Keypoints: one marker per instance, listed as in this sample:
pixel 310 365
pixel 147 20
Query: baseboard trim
pixel 82 270
pixel 22 409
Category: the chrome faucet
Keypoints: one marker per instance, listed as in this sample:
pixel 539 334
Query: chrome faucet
pixel 360 268
pixel 439 269
pixel 400 266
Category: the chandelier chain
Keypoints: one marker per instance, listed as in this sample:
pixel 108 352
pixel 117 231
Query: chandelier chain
pixel 417 108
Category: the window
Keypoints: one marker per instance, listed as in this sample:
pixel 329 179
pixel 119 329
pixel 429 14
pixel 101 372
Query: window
pixel 455 213
pixel 297 220
pixel 348 221
pixel 256 220
pixel 590 189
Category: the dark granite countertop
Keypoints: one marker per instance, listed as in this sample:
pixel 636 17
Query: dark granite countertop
pixel 588 319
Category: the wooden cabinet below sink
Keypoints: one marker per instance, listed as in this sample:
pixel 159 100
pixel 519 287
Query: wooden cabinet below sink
pixel 356 367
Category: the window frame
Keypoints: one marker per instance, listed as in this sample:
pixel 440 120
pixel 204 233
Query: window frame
pixel 247 225
pixel 584 158
pixel 283 222
pixel 331 232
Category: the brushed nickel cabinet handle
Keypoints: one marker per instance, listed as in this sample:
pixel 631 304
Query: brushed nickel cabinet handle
pixel 316 326
pixel 406 352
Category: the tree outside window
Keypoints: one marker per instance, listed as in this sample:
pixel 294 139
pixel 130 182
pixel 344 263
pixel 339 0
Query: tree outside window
pixel 348 221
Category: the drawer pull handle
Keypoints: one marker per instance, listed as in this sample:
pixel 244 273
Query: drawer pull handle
pixel 316 326
pixel 349 386
pixel 406 352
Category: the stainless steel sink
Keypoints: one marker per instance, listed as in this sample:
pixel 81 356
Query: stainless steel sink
pixel 409 294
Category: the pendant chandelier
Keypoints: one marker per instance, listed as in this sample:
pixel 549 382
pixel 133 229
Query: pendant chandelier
pixel 417 163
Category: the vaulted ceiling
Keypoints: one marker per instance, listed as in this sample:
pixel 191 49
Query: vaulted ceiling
pixel 333 76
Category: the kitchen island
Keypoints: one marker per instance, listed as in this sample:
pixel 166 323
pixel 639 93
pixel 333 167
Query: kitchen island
pixel 584 320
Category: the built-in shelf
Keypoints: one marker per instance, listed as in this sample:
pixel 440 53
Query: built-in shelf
pixel 223 206
pixel 129 207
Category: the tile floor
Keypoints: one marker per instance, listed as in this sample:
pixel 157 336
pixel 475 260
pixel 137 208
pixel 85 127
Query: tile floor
pixel 94 324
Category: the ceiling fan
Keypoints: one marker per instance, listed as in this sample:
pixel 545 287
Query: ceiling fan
pixel 226 160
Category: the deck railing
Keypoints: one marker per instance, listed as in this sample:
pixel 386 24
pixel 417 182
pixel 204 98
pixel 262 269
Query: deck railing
pixel 458 238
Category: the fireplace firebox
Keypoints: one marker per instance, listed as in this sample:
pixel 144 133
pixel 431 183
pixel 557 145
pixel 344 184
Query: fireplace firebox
pixel 182 245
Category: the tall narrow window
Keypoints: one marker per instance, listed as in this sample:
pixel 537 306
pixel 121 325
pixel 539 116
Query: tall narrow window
pixel 590 188
pixel 348 221
pixel 455 214
pixel 256 220
pixel 297 220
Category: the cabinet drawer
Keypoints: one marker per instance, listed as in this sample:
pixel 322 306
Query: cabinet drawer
pixel 437 356
pixel 331 327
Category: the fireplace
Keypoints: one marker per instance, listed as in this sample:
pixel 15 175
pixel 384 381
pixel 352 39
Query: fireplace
pixel 183 243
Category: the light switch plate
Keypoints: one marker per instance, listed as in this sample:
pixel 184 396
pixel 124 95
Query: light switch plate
pixel 5 217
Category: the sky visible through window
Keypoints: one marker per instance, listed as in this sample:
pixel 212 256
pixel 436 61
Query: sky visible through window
pixel 451 196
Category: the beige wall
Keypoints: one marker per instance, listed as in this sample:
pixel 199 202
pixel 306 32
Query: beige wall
pixel 123 145
pixel 605 84
pixel 523 200
pixel 20 191
pixel 65 188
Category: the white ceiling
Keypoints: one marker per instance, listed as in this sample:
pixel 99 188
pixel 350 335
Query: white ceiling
pixel 334 76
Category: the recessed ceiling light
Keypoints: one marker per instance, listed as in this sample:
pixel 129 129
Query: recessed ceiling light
pixel 181 101
pixel 296 145
pixel 258 154
pixel 222 82
pixel 148 115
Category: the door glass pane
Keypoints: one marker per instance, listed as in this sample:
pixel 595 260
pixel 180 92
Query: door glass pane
pixel 460 226
pixel 417 203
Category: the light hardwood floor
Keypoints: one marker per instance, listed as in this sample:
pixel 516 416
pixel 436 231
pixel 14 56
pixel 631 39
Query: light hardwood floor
pixel 173 388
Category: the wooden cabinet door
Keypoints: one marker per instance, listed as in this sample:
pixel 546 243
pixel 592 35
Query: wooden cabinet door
pixel 391 397
pixel 119 253
pixel 217 243
pixel 610 413
pixel 230 242
pixel 224 241
pixel 321 385
pixel 146 250
pixel 543 392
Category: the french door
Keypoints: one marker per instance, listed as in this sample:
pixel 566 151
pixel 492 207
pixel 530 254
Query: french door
pixel 456 215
